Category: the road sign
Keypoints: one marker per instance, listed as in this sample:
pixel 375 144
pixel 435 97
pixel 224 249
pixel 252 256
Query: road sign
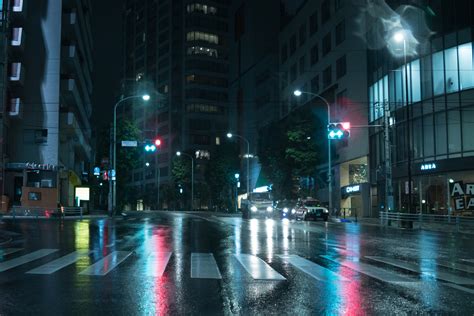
pixel 129 143
pixel 112 174
pixel 96 171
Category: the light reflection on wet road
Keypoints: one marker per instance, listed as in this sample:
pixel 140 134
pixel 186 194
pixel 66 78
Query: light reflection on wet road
pixel 142 265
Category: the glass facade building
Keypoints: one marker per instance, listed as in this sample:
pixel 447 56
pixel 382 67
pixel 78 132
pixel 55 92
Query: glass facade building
pixel 431 100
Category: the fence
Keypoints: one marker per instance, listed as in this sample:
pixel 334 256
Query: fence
pixel 409 220
pixel 36 212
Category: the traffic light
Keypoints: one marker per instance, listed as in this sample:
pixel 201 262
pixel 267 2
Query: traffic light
pixel 150 148
pixel 339 130
pixel 157 142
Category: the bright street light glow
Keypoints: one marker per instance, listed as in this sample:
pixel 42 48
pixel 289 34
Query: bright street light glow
pixel 146 97
pixel 297 93
pixel 229 135
pixel 178 153
pixel 147 164
pixel 399 36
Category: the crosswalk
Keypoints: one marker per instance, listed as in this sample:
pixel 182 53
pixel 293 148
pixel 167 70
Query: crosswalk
pixel 204 266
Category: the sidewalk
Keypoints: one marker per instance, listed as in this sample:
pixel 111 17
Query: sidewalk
pixel 429 226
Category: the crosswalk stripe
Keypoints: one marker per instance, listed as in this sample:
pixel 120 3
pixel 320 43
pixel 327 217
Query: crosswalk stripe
pixel 107 264
pixel 312 269
pixel 372 271
pixel 60 263
pixel 257 268
pixel 416 268
pixel 9 251
pixel 13 263
pixel 204 266
pixel 156 263
pixel 456 266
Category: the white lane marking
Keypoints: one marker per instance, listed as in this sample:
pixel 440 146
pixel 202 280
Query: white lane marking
pixel 468 260
pixel 9 251
pixel 372 271
pixel 257 268
pixel 312 269
pixel 416 268
pixel 107 264
pixel 461 288
pixel 60 263
pixel 204 266
pixel 455 266
pixel 156 263
pixel 13 263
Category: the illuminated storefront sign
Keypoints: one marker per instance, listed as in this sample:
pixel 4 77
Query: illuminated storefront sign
pixel 462 195
pixel 350 190
pixel 428 166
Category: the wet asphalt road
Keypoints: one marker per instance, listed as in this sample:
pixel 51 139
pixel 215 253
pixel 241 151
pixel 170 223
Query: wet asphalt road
pixel 179 263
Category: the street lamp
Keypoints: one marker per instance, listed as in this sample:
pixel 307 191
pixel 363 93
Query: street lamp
pixel 144 97
pixel 399 37
pixel 230 135
pixel 179 154
pixel 298 93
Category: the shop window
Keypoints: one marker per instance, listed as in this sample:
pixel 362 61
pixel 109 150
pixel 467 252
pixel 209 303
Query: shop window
pixel 415 93
pixel 438 73
pixel 426 80
pixel 466 68
pixel 454 132
pixel 451 60
pixel 467 128
pixel 417 138
pixel 440 133
pixel 428 139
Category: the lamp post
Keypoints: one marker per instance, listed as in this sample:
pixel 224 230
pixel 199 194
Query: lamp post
pixel 144 97
pixel 298 93
pixel 400 37
pixel 179 154
pixel 230 135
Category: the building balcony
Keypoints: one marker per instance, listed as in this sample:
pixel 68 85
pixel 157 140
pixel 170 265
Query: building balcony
pixel 16 74
pixel 71 131
pixel 76 32
pixel 18 10
pixel 15 108
pixel 17 41
pixel 72 96
pixel 71 64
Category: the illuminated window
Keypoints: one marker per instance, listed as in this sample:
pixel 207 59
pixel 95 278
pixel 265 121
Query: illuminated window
pixel 202 36
pixel 203 154
pixel 201 8
pixel 17 34
pixel 200 50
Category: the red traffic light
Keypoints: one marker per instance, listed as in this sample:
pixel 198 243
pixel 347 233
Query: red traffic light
pixel 157 142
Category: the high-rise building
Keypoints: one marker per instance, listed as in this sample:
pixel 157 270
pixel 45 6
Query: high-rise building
pixel 422 68
pixel 254 75
pixel 178 48
pixel 321 54
pixel 47 132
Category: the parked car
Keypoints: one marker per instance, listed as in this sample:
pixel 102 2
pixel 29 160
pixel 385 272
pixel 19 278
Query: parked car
pixel 311 209
pixel 286 208
pixel 258 204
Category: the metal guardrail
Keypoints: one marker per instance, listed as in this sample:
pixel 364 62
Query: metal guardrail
pixel 458 221
pixel 36 212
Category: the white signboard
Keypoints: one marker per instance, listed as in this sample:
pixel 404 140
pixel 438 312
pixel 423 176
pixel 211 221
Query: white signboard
pixel 83 193
pixel 129 143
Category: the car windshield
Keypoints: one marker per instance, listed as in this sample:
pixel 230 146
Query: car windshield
pixel 260 196
pixel 312 203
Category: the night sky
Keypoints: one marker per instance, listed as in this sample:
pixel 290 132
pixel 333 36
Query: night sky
pixel 107 36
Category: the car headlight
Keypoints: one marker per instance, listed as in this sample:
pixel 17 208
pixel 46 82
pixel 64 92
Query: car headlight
pixel 254 208
pixel 326 211
pixel 285 210
pixel 293 211
pixel 269 209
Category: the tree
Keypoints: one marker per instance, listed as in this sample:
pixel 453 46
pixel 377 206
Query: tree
pixel 222 166
pixel 289 150
pixel 127 158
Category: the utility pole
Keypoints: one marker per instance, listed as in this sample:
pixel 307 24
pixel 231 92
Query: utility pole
pixel 388 160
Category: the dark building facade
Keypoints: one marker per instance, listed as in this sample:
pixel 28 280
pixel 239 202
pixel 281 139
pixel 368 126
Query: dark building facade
pixel 178 48
pixel 431 100
pixel 47 109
